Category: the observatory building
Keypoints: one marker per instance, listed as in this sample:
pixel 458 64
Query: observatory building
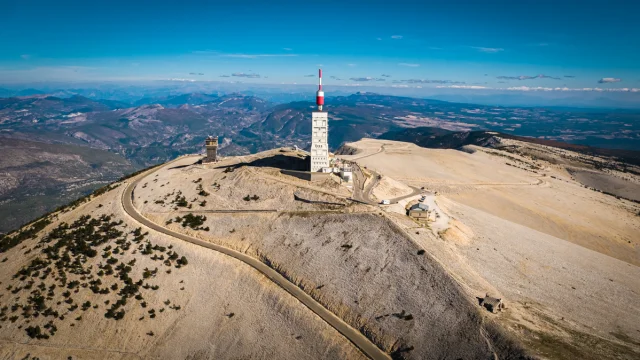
pixel 320 133
pixel 211 143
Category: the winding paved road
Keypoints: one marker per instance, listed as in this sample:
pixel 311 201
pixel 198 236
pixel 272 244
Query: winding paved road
pixel 359 191
pixel 367 155
pixel 363 194
pixel 416 191
pixel 353 335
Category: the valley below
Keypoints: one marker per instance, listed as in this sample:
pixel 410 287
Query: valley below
pixel 36 177
pixel 140 132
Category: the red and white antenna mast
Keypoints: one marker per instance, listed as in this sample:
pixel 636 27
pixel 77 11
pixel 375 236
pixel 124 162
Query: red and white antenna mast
pixel 320 93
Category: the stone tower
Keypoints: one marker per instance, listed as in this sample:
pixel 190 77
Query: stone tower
pixel 211 144
pixel 319 146
pixel 320 132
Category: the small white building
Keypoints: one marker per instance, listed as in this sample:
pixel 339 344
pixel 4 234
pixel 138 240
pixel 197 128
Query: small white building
pixel 346 173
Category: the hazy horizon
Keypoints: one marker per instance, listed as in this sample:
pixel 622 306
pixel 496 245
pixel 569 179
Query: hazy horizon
pixel 131 90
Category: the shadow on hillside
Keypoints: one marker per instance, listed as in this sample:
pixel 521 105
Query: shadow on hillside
pixel 184 166
pixel 279 161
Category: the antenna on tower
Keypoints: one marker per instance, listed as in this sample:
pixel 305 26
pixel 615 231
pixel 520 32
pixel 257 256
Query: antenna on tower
pixel 320 93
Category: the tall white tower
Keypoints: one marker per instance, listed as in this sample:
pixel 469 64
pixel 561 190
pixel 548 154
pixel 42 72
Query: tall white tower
pixel 319 133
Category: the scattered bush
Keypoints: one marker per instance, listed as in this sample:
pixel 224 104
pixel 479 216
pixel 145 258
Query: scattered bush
pixel 180 200
pixel 65 251
pixel 36 333
pixel 192 221
pixel 182 261
pixel 201 191
pixel 7 242
pixel 403 315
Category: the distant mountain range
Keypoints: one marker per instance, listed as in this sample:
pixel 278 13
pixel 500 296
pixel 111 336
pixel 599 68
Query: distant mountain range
pixel 154 129
pixel 23 92
pixel 149 92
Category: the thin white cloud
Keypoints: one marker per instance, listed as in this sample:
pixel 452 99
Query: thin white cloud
pixel 360 79
pixel 240 55
pixel 287 49
pixel 379 39
pixel 396 37
pixel 527 88
pixel 427 81
pixel 461 87
pixel 609 80
pixel 364 79
pixel 255 56
pixel 540 88
pixel 251 76
pixel 409 64
pixel 352 65
pixel 527 77
pixel 25 56
pixel 487 49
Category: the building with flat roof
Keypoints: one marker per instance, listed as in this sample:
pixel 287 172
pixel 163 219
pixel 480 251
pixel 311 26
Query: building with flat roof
pixel 419 211
pixel 346 173
pixel 211 143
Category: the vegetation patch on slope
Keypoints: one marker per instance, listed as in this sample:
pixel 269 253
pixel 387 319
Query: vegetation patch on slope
pixel 45 291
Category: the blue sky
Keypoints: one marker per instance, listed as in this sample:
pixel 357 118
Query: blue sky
pixel 492 43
